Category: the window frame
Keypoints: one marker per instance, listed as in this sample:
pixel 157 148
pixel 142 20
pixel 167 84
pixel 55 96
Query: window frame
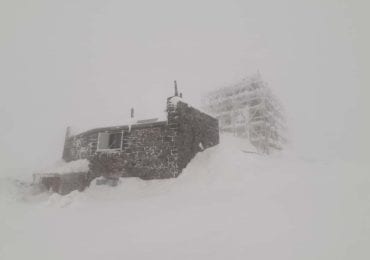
pixel 109 149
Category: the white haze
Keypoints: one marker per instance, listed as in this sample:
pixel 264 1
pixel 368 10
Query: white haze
pixel 87 62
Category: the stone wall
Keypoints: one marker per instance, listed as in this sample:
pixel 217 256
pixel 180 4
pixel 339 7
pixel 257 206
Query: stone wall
pixel 195 130
pixel 81 146
pixel 149 151
pixel 64 183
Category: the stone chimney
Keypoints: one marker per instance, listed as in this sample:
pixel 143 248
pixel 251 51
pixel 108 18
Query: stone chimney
pixel 172 114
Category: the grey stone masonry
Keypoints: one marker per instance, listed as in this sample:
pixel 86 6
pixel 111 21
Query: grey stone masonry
pixel 154 150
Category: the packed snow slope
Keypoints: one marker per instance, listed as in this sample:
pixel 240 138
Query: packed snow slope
pixel 227 204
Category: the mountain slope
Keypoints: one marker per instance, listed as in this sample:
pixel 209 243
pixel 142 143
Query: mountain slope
pixel 228 203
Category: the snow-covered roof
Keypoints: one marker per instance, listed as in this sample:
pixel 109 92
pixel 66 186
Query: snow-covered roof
pixel 126 123
pixel 131 122
pixel 146 121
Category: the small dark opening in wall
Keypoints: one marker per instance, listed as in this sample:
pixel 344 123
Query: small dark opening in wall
pixel 108 141
pixel 115 140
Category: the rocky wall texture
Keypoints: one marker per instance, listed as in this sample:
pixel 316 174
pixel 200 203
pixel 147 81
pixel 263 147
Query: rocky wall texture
pixel 81 146
pixel 65 183
pixel 196 131
pixel 149 151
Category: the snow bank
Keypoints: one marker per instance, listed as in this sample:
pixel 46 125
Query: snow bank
pixel 227 204
pixel 62 167
pixel 174 100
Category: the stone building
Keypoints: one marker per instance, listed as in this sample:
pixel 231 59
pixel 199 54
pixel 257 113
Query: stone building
pixel 148 149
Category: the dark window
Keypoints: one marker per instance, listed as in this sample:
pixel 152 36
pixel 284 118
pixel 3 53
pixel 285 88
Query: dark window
pixel 115 140
pixel 109 140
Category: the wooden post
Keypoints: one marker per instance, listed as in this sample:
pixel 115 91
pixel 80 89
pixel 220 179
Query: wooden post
pixel 66 147
pixel 176 91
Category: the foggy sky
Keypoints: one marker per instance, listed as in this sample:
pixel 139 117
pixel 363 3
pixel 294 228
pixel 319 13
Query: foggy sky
pixel 85 63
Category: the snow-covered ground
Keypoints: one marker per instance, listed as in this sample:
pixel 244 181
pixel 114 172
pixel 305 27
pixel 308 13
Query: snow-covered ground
pixel 62 167
pixel 227 204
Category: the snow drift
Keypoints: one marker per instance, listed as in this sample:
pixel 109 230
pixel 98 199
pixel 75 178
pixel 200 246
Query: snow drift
pixel 62 167
pixel 229 203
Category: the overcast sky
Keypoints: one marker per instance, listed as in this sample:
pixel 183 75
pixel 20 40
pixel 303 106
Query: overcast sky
pixel 86 62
